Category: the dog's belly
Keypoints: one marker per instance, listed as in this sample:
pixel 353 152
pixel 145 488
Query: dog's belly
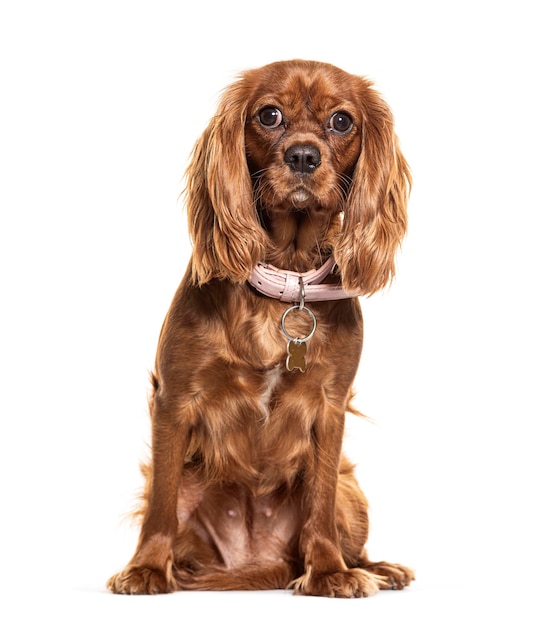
pixel 234 527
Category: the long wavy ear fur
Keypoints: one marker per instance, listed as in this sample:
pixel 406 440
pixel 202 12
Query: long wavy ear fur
pixel 375 217
pixel 226 234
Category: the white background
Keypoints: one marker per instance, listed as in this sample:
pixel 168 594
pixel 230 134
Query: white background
pixel 100 105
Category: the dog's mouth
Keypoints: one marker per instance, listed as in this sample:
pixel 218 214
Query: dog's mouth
pixel 300 198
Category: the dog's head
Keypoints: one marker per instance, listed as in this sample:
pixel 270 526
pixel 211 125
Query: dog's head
pixel 298 136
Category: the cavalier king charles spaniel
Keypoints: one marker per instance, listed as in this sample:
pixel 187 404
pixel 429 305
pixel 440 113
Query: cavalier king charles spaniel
pixel 296 196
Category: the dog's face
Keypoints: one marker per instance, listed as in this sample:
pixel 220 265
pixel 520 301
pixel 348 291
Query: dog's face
pixel 303 138
pixel 300 159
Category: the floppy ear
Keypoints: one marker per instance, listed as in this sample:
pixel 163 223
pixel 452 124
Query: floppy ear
pixel 226 234
pixel 375 217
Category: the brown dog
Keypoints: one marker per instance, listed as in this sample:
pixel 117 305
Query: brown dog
pixel 296 196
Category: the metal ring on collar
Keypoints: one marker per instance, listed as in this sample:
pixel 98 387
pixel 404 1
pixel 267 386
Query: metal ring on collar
pixel 297 307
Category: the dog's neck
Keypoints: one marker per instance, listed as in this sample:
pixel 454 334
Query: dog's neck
pixel 301 240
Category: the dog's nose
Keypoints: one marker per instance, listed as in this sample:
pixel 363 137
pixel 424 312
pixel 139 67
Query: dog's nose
pixel 303 158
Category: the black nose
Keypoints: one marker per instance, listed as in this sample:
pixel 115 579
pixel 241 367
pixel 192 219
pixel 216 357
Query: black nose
pixel 303 158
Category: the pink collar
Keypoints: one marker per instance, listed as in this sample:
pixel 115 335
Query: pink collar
pixel 289 286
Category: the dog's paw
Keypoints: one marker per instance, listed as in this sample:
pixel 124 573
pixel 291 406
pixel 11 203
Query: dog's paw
pixel 136 580
pixel 351 583
pixel 391 575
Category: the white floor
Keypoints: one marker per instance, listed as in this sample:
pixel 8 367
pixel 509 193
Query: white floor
pixel 426 603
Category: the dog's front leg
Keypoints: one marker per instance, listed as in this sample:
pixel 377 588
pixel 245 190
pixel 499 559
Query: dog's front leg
pixel 149 571
pixel 325 571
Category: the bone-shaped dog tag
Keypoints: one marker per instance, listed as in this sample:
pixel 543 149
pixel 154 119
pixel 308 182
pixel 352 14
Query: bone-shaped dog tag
pixel 296 347
pixel 296 358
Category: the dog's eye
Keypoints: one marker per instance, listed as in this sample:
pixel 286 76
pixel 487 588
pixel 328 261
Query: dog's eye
pixel 340 123
pixel 270 117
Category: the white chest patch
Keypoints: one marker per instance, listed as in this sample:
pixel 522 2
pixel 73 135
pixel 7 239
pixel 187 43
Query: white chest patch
pixel 272 379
